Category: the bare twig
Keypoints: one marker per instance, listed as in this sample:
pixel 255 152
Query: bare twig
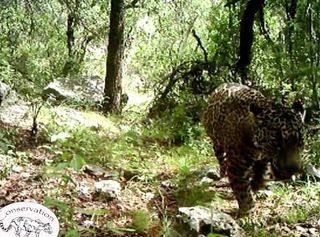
pixel 35 109
pixel 200 45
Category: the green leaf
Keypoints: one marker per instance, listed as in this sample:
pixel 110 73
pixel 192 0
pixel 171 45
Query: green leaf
pixel 215 235
pixel 56 203
pixel 118 230
pixel 92 211
pixel 61 166
pixel 77 162
pixel 72 233
pixel 67 179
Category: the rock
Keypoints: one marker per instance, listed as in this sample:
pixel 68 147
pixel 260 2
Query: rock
pixel 200 219
pixel 314 232
pixel 167 184
pixel 88 223
pixel 88 88
pixel 25 175
pixel 301 229
pixel 93 170
pixel 8 96
pixel 285 229
pixel 73 118
pixel 206 181
pixel 213 174
pixel 148 196
pixel 59 137
pixel 87 123
pixel 264 193
pixel 17 169
pixel 84 189
pixel 312 171
pixel 13 110
pixel 4 91
pixel 108 188
pixel 56 90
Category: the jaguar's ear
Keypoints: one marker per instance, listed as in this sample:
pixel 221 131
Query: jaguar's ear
pixel 255 109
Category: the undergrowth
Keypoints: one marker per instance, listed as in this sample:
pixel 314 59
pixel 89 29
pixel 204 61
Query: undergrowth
pixel 150 157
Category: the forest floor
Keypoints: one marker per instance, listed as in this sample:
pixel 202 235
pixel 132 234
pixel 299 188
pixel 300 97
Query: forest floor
pixel 156 179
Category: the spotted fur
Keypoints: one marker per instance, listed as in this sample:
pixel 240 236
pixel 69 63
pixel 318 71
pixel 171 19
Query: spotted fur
pixel 248 131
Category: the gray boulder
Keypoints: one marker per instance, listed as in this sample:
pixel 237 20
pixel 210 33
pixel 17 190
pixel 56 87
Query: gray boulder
pixel 93 170
pixel 312 171
pixel 57 91
pixel 213 173
pixel 201 218
pixel 108 189
pixel 13 110
pixel 7 95
pixel 88 88
pixel 4 91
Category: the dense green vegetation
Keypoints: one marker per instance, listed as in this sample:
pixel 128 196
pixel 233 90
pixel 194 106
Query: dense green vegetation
pixel 175 53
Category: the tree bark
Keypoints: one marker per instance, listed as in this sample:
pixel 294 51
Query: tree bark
pixel 70 44
pixel 291 11
pixel 246 35
pixel 113 80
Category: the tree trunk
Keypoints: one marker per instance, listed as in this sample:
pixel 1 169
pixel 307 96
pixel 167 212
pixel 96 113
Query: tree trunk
pixel 246 36
pixel 291 10
pixel 70 44
pixel 113 88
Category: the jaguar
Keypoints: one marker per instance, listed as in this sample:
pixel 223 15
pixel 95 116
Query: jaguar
pixel 250 132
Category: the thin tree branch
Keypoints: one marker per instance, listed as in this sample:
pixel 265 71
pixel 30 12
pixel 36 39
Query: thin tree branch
pixel 200 45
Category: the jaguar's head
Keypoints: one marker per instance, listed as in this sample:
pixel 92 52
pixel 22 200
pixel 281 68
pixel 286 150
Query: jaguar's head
pixel 287 162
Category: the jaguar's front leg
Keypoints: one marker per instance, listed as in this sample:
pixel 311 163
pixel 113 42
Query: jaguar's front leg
pixel 238 174
pixel 258 170
pixel 219 153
